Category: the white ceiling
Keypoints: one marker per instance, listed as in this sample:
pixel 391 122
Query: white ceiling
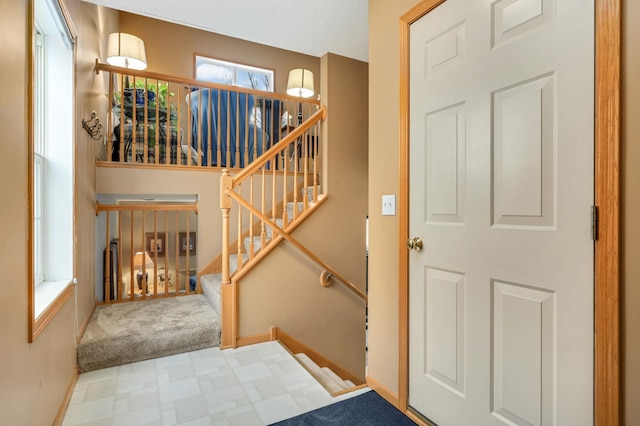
pixel 313 27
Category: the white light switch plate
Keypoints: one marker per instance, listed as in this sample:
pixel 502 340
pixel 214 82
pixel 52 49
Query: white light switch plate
pixel 388 205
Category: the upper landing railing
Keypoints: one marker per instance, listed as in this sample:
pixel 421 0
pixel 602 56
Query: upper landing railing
pixel 160 120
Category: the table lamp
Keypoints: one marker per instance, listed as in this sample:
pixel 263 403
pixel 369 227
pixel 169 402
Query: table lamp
pixel 142 261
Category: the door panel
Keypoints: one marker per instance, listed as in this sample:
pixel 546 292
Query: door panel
pixel 501 182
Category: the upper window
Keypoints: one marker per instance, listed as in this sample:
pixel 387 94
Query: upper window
pixel 51 174
pixel 223 72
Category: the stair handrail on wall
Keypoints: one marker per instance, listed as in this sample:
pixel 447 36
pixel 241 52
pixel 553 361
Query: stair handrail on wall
pixel 294 194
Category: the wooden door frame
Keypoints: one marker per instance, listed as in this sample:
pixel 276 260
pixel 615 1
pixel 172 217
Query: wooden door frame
pixel 607 197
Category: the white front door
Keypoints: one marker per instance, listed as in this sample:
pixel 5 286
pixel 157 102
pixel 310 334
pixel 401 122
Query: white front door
pixel 501 184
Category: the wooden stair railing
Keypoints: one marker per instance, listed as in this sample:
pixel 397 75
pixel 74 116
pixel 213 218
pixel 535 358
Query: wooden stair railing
pixel 158 120
pixel 295 182
pixel 152 240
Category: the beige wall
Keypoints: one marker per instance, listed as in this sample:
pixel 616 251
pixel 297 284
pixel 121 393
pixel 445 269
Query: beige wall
pixel 171 49
pixel 329 320
pixel 36 376
pixel 384 84
pixel 383 179
pixel 630 205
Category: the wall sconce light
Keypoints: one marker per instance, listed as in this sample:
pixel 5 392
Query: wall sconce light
pixel 300 84
pixel 126 50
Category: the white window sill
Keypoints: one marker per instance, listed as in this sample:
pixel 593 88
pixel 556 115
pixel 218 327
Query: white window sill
pixel 47 293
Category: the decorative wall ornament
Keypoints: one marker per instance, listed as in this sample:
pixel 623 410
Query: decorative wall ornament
pixel 93 126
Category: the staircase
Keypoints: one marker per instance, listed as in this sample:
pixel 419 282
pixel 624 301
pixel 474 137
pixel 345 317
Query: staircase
pixel 210 283
pixel 325 376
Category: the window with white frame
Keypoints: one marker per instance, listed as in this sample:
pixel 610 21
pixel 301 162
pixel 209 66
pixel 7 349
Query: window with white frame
pixel 53 141
pixel 223 72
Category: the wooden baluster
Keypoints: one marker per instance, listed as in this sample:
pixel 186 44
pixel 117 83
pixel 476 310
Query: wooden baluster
pixel 176 246
pixel 240 242
pixel 107 263
pixel 262 146
pixel 256 105
pixel 238 141
pixel 225 206
pixel 122 118
pixel 305 171
pixel 145 124
pixel 246 129
pixel 154 254
pixel 120 295
pixel 189 132
pixel 251 246
pixel 269 125
pixel 285 216
pixel 263 231
pixel 273 194
pixel 199 135
pixel 134 123
pixel 132 280
pixel 188 253
pixel 210 152
pixel 296 146
pixel 178 131
pixel 315 162
pixel 143 268
pixel 167 137
pixel 218 132
pixel 228 141
pixel 166 254
pixel 110 120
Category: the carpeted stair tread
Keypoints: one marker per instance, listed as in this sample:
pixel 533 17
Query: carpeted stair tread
pixel 310 192
pixel 122 333
pixel 257 239
pixel 211 290
pixel 319 374
pixel 341 383
pixel 290 208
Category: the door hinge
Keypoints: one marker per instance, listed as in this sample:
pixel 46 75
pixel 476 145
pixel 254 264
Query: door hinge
pixel 594 223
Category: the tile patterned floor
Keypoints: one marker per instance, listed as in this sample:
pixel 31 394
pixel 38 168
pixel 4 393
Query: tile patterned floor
pixel 253 385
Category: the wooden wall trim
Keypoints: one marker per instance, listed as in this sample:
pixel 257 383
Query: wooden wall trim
pixel 253 340
pixel 50 312
pixel 403 199
pixel 62 411
pixel 383 391
pixel 85 324
pixel 607 197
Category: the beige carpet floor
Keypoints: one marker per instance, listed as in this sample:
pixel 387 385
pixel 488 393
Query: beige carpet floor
pixel 122 333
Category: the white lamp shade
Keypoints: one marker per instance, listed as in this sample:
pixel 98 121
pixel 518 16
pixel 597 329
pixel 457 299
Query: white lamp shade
pixel 126 50
pixel 300 83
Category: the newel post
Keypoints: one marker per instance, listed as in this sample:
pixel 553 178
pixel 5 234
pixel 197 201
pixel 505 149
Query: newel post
pixel 227 293
pixel 225 206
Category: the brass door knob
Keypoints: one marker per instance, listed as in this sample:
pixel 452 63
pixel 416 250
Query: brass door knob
pixel 414 244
